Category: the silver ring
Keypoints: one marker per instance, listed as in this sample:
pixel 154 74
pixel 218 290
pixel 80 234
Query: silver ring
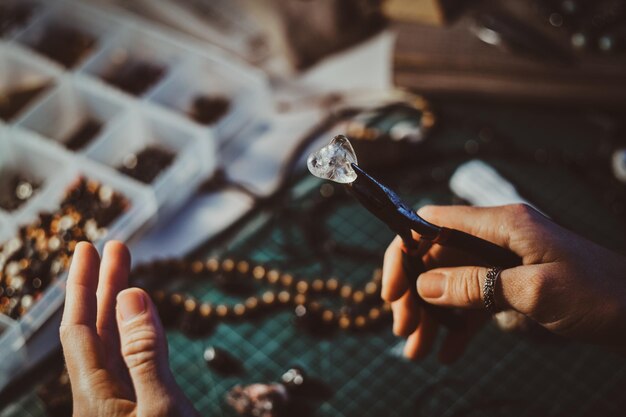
pixel 489 289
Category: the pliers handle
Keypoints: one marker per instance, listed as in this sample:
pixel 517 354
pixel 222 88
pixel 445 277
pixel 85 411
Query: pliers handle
pixel 385 204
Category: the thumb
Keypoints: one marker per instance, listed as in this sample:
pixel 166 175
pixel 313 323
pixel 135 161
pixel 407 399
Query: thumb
pixel 144 348
pixel 463 287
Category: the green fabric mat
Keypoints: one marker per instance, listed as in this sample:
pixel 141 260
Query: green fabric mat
pixel 500 375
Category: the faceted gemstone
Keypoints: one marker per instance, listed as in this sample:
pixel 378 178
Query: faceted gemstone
pixel 333 161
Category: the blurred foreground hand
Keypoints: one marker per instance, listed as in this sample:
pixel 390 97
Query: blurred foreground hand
pixel 114 343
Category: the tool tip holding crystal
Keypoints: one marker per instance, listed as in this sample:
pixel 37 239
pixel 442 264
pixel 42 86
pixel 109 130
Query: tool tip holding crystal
pixel 334 161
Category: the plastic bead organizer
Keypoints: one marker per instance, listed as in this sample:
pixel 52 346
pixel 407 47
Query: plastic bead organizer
pixel 85 92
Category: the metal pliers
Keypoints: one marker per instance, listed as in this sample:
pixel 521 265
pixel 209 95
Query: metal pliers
pixel 385 204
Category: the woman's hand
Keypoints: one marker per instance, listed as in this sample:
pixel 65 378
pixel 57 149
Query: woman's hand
pixel 567 284
pixel 113 342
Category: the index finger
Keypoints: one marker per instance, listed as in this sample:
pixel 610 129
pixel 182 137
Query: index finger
pixel 78 327
pixel 82 282
pixel 394 279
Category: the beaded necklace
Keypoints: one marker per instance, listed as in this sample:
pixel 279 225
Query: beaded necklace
pixel 362 308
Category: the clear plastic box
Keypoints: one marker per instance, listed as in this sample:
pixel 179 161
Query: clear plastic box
pixel 69 105
pixel 214 80
pixel 60 170
pixel 134 48
pixel 88 21
pixel 33 139
pixel 23 10
pixel 149 126
pixel 21 71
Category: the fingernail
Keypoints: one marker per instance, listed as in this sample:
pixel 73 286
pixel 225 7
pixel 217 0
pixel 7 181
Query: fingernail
pixel 130 304
pixel 431 285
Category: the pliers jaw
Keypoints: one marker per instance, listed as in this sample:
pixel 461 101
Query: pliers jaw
pixel 385 204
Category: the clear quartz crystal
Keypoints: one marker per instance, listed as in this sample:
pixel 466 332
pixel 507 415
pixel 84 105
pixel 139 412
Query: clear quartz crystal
pixel 333 161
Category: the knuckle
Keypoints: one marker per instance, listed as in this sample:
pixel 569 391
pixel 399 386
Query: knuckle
pixel 65 334
pixel 467 289
pixel 537 290
pixel 140 349
pixel 521 213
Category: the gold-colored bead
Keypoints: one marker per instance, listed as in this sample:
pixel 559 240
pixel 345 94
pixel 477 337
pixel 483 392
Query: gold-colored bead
pixel 284 297
pixel 346 291
pixel 251 303
pixel 377 275
pixel 299 299
pixel 302 287
pixel 272 276
pixel 358 297
pixel 228 265
pixel 318 285
pixel 176 299
pixel 314 306
pixel 360 322
pixel 222 310
pixel 243 267
pixel 286 280
pixel 268 298
pixel 344 322
pixel 328 316
pixel 258 272
pixel 374 314
pixel 371 288
pixel 239 310
pixel 332 285
pixel 190 305
pixel 212 265
pixel 197 267
pixel 206 309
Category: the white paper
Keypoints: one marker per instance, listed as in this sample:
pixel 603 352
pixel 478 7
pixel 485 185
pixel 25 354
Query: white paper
pixel 259 166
